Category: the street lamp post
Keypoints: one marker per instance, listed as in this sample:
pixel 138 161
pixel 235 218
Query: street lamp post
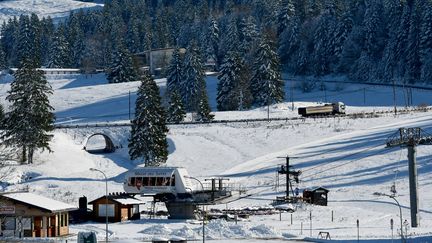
pixel 203 219
pixel 400 213
pixel 106 202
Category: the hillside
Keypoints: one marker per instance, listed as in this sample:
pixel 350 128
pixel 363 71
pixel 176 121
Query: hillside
pixel 347 156
pixel 45 8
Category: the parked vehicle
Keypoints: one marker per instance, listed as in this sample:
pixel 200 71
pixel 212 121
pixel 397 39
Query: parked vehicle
pixel 323 110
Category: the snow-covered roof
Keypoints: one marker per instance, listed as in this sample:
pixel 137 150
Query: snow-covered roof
pixel 40 201
pixel 123 199
pixel 128 201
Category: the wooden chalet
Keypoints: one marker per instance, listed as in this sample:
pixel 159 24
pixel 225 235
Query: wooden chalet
pixel 121 207
pixel 24 214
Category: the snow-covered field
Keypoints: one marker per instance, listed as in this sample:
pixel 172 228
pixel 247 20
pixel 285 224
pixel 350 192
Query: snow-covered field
pixel 43 8
pixel 347 156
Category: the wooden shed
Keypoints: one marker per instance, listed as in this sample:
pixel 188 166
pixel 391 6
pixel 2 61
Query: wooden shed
pixel 317 196
pixel 121 207
pixel 23 214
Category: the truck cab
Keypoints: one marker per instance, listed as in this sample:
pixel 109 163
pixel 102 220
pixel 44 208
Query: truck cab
pixel 339 108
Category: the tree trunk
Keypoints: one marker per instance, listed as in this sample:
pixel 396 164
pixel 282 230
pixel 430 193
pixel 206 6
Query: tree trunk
pixel 23 155
pixel 30 155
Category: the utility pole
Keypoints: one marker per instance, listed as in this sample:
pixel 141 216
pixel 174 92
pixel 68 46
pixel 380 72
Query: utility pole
pixel 410 138
pixel 285 169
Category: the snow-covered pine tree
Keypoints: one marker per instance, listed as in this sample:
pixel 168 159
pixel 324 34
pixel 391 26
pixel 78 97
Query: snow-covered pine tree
pixel 212 49
pixel 76 42
pixel 121 68
pixel 413 63
pixel 267 85
pixel 426 43
pixel 47 30
pixel 365 67
pixel 59 53
pixel 226 85
pixel 289 42
pixel 344 27
pixel 230 38
pixel 248 38
pixel 148 135
pixel 285 14
pixel 233 91
pixel 323 41
pixel 8 40
pixel 2 117
pixel 28 41
pixel 402 41
pixel 193 85
pixel 3 61
pixel 203 113
pixel 30 118
pixel 176 111
pixel 174 72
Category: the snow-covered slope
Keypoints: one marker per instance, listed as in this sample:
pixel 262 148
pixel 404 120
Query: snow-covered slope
pixel 348 156
pixel 43 8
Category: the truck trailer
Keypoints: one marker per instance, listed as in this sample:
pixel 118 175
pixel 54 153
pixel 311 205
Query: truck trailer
pixel 323 110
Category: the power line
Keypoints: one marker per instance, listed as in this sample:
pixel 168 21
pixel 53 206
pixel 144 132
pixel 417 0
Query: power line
pixel 344 157
pixel 351 161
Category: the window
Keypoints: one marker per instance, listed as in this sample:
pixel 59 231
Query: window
pixel 159 181
pixel 152 181
pixel 138 181
pixel 146 181
pixel 102 208
pixel 166 181
pixel 61 220
pixel 26 223
pixel 132 181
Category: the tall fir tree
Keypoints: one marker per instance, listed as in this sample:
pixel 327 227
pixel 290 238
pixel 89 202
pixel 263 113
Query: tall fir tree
pixel 176 111
pixel 28 41
pixel 203 113
pixel 193 87
pixel 425 45
pixel 59 54
pixel 248 38
pixel 233 91
pixel 230 38
pixel 148 135
pixel 365 68
pixel 3 60
pixel 174 72
pixel 323 49
pixel 30 119
pixel 213 41
pixel 121 68
pixel 2 117
pixel 285 14
pixel 267 85
pixel 413 62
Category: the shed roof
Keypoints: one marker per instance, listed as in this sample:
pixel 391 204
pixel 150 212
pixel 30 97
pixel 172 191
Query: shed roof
pixel 318 188
pixel 123 199
pixel 41 202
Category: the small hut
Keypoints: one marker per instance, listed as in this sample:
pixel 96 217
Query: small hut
pixel 316 195
pixel 120 207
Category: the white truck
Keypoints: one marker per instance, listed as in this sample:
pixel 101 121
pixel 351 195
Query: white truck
pixel 323 110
